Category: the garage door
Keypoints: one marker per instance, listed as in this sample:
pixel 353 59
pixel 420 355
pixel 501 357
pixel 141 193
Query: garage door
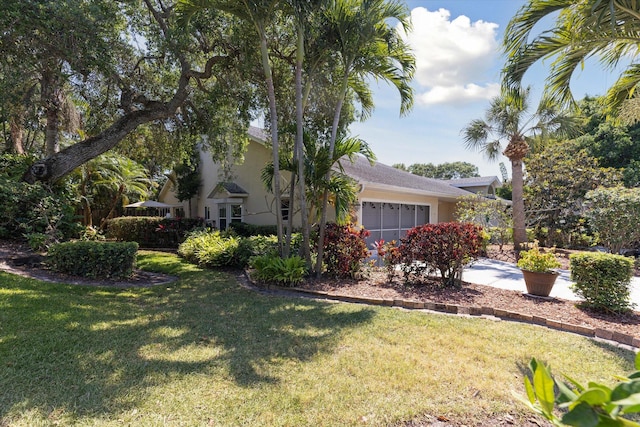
pixel 391 221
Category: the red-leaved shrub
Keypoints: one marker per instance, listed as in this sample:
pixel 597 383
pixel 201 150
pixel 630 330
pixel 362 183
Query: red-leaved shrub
pixel 344 250
pixel 444 247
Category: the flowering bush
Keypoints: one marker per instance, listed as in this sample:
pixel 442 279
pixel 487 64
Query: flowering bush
pixel 345 250
pixel 388 253
pixel 444 247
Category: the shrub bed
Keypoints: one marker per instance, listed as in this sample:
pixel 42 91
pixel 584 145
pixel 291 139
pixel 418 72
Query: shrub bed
pixel 345 250
pixel 94 259
pixel 151 231
pixel 273 269
pixel 443 248
pixel 603 280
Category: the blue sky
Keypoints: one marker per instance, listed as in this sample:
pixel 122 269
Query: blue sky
pixel 457 48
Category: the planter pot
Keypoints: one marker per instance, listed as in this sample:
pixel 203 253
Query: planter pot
pixel 539 284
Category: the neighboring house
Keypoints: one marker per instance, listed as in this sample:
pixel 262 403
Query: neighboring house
pixel 390 201
pixel 485 185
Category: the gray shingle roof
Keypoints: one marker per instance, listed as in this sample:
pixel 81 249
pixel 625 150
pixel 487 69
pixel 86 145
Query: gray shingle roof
pixel 258 134
pixel 382 174
pixel 475 181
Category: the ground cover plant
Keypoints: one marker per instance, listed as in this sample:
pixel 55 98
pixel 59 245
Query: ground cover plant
pixel 205 351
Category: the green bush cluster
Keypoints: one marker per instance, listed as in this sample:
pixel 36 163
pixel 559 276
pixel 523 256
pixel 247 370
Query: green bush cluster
pixel 37 213
pixel 94 259
pixel 603 280
pixel 247 230
pixel 213 248
pixel 273 269
pixel 151 231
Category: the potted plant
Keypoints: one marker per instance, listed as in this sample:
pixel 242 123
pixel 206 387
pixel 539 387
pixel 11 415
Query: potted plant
pixel 538 270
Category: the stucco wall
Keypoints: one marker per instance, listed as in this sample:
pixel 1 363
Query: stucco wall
pixel 446 211
pixel 258 206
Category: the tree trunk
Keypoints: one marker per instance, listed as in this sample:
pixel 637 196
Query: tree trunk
pixel 325 196
pixel 515 151
pixel 59 164
pixel 52 98
pixel 275 147
pixel 299 151
pixel 17 133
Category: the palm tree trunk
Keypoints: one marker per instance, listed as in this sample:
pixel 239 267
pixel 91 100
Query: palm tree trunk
pixel 275 147
pixel 515 151
pixel 299 151
pixel 519 226
pixel 325 195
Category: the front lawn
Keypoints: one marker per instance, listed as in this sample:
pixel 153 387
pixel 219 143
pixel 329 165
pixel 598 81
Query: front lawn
pixel 204 351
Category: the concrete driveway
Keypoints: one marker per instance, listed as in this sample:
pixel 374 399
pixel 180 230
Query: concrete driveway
pixel 505 275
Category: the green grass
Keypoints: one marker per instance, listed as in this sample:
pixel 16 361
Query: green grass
pixel 204 351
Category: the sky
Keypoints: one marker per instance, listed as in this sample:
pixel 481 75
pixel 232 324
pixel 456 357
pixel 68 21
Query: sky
pixel 458 62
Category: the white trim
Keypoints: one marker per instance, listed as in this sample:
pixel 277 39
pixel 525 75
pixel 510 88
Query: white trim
pixel 227 200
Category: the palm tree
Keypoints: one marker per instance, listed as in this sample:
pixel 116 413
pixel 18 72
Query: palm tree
pixel 608 30
pixel 508 120
pixel 367 46
pixel 317 163
pixel 119 177
pixel 258 13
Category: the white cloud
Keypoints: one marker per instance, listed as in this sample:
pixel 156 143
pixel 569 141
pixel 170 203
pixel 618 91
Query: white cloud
pixel 452 56
pixel 458 94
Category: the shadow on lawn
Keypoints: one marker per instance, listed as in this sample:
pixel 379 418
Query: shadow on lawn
pixel 95 351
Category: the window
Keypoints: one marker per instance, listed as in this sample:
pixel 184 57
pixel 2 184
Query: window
pixel 391 221
pixel 284 208
pixel 228 213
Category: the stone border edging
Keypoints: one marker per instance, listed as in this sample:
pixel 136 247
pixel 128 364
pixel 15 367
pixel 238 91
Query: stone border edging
pixel 587 331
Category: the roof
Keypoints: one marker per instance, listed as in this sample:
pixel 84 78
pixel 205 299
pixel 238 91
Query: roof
pixel 258 134
pixel 383 175
pixel 231 188
pixel 478 181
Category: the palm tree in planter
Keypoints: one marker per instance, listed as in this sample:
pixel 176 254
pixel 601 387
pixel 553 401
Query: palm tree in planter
pixel 509 120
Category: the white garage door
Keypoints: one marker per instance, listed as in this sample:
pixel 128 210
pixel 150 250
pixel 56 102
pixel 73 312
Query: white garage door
pixel 391 221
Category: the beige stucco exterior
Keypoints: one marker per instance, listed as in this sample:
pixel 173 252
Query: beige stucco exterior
pixel 258 205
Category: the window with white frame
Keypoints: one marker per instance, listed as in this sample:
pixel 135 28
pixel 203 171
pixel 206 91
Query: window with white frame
pixel 228 213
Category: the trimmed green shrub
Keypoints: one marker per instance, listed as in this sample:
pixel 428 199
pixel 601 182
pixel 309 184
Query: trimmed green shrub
pixel 603 280
pixel 247 230
pixel 94 259
pixel 151 231
pixel 273 269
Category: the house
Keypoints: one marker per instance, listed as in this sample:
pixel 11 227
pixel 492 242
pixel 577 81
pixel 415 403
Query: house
pixel 485 185
pixel 390 201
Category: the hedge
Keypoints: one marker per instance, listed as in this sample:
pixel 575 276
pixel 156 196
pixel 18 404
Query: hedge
pixel 603 280
pixel 151 231
pixel 94 259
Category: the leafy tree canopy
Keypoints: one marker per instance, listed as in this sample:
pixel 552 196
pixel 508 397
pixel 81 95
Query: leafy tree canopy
pixel 556 183
pixel 451 170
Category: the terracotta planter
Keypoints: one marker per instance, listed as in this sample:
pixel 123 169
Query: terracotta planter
pixel 538 283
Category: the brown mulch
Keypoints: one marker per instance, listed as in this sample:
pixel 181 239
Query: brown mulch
pixel 377 285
